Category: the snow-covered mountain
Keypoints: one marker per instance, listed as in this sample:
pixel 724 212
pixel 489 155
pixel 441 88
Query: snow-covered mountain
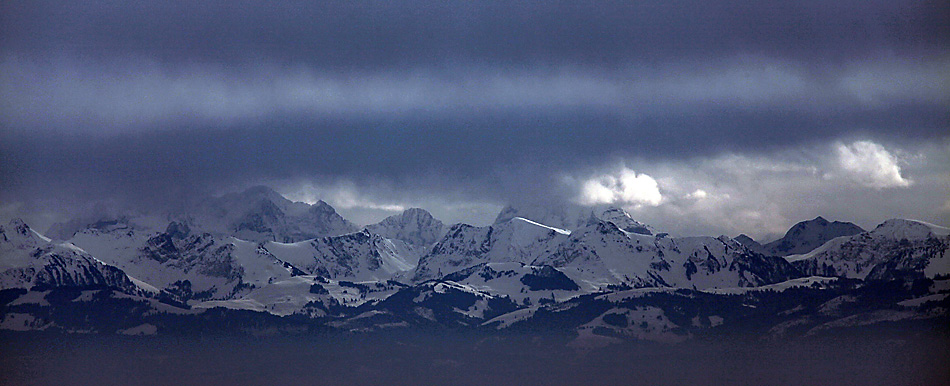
pixel 185 262
pixel 204 266
pixel 359 256
pixel 599 283
pixel 261 214
pixel 518 240
pixel 751 244
pixel 602 255
pixel 255 253
pixel 30 260
pixel 567 217
pixel 414 226
pixel 257 214
pixel 622 220
pixel 895 248
pixel 571 217
pixel 804 237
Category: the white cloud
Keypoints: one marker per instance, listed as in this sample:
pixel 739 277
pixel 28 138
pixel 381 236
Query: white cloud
pixel 870 164
pixel 697 194
pixel 625 188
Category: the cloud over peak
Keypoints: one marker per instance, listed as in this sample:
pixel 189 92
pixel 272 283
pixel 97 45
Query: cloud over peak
pixel 870 164
pixel 625 187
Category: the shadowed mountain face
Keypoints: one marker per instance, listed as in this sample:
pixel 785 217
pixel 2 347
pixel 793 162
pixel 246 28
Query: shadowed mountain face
pixel 261 214
pixel 29 260
pixel 802 237
pixel 894 250
pixel 256 214
pixel 414 226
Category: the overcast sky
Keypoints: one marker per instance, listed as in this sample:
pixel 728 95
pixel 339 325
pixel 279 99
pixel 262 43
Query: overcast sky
pixel 698 117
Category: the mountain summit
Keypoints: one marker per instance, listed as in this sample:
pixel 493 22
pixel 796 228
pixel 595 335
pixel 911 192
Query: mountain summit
pixel 414 226
pixel 572 217
pixel 261 214
pixel 808 235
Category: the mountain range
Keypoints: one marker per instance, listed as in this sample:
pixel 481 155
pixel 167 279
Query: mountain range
pixel 257 258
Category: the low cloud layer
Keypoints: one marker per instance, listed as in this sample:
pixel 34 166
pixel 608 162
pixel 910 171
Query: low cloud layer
pixel 764 194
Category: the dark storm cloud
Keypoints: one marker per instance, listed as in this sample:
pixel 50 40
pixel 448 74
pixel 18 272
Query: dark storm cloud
pixel 394 33
pixel 152 101
pixel 475 150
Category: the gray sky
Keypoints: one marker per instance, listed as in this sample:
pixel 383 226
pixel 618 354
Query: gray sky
pixel 698 118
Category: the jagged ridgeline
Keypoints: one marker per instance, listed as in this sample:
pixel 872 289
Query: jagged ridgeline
pixel 255 261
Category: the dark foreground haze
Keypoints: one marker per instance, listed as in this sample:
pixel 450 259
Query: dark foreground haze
pixel 867 358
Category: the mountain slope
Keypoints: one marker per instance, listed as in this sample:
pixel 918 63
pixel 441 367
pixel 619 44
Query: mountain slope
pixel 622 220
pixel 602 255
pixel 517 240
pixel 356 256
pixel 257 214
pixel 521 283
pixel 261 214
pixel 414 226
pixel 808 235
pixel 186 263
pixel 895 248
pixel 29 260
pixel 571 217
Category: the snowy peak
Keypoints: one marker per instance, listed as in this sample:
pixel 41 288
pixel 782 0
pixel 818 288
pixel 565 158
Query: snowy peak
pixel 462 246
pixel 894 249
pixel 261 214
pixel 523 233
pixel 414 226
pixel 602 255
pixel 808 235
pixel 909 229
pixel 354 256
pixel 257 214
pixel 751 244
pixel 516 240
pixel 29 260
pixel 572 217
pixel 622 219
pixel 18 234
pixel 559 216
pixel 17 225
